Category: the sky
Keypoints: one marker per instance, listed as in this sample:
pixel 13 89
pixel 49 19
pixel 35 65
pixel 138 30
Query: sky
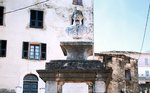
pixel 119 25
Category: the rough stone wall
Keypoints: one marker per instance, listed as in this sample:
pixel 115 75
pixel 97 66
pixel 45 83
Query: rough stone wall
pixel 63 13
pixel 118 83
pixel 132 86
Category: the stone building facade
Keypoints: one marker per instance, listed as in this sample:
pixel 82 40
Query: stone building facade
pixel 143 68
pixel 30 32
pixel 124 76
pixel 107 73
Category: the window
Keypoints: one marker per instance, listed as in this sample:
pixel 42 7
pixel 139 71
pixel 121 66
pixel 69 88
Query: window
pixel 36 19
pixel 147 73
pixel 34 51
pixel 77 2
pixel 1 15
pixel 146 61
pixel 127 74
pixel 3 46
pixel 30 84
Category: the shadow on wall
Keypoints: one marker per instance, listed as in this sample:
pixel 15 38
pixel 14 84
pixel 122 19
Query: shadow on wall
pixel 7 91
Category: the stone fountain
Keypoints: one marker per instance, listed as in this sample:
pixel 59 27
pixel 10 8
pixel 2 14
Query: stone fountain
pixel 78 46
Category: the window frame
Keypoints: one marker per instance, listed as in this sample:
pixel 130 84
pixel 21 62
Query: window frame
pixel 36 19
pixel 26 50
pixel 34 51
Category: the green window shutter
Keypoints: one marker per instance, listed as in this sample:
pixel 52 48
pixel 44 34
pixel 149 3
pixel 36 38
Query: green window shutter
pixel 3 48
pixel 43 51
pixel 25 50
pixel 1 15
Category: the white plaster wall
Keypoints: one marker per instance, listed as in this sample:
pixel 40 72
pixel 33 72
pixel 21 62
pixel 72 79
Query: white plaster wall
pixel 142 70
pixel 16 30
pixel 141 63
pixel 142 67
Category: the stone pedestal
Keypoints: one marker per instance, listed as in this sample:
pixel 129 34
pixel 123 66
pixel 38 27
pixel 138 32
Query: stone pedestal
pixel 77 50
pixel 76 68
pixel 51 87
pixel 99 87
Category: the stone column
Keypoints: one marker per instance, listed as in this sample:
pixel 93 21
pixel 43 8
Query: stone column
pixel 113 87
pixel 19 89
pixel 146 91
pixel 59 87
pixel 90 87
pixel 99 87
pixel 51 87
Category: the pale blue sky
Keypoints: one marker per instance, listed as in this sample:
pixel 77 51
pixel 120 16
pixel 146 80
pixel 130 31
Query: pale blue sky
pixel 119 25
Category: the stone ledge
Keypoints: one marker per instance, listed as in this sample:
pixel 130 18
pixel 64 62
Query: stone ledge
pixel 74 70
pixel 73 75
pixel 77 43
pixel 71 65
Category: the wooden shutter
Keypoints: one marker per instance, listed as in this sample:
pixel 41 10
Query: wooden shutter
pixel 32 18
pixel 40 19
pixel 25 50
pixel 43 51
pixel 1 15
pixel 3 47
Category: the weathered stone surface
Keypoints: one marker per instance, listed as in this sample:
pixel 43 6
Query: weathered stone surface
pixel 120 81
pixel 74 70
pixel 51 87
pixel 110 68
pixel 78 31
pixel 77 50
pixel 85 65
pixel 100 87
